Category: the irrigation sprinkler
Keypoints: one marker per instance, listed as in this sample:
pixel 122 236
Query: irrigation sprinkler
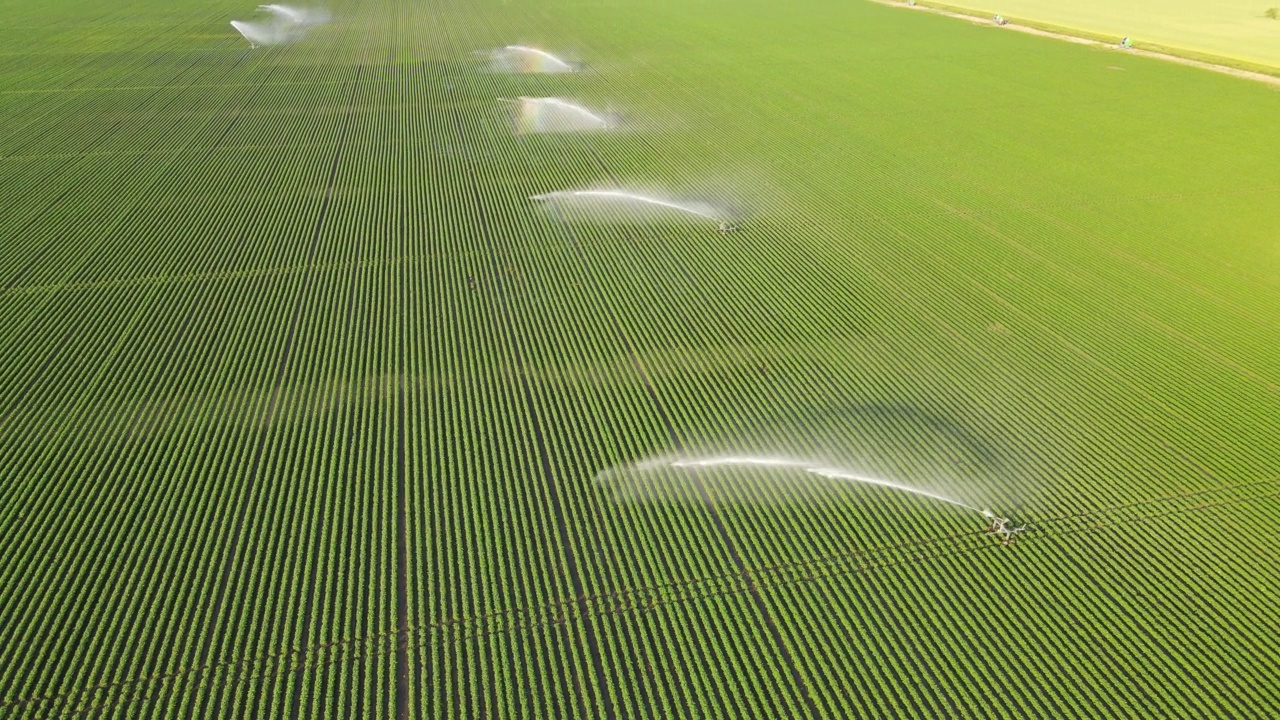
pixel 636 199
pixel 287 24
pixel 1002 529
pixel 257 34
pixel 638 489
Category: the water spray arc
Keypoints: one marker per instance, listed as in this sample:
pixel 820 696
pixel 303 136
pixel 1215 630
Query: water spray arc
pixel 549 114
pixel 831 473
pixel 306 17
pixel 999 526
pixel 257 34
pixel 636 199
pixel 287 24
pixel 284 12
pixel 524 59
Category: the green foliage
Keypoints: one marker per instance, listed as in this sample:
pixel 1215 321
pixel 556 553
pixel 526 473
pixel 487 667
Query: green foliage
pixel 1273 13
pixel 301 391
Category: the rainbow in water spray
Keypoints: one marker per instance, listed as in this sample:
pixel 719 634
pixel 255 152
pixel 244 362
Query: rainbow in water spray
pixel 527 60
pixel 549 115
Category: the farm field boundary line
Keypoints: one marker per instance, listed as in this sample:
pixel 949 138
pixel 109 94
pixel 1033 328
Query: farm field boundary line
pixel 233 672
pixel 1246 71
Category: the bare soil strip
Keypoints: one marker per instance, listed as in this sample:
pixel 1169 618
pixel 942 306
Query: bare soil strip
pixel 1237 72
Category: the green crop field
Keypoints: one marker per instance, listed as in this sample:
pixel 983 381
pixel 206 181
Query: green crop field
pixel 308 411
pixel 1235 29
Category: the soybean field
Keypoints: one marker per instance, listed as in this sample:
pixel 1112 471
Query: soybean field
pixel 673 359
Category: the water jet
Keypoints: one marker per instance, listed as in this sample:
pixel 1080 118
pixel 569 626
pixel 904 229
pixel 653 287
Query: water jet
pixel 634 200
pixel 999 526
pixel 526 60
pixel 550 115
pixel 287 24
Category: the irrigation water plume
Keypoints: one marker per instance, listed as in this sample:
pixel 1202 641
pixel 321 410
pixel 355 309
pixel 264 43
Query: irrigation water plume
pixel 526 60
pixel 549 115
pixel 635 200
pixel 998 526
pixel 307 17
pixel 831 473
pixel 287 24
pixel 261 33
